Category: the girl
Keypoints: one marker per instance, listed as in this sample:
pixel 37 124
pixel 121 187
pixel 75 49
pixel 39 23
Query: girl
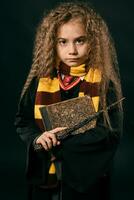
pixel 74 55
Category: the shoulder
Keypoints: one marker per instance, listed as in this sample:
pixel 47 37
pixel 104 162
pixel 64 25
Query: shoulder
pixel 34 82
pixel 30 92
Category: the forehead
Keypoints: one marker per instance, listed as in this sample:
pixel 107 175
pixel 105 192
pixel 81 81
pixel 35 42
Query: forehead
pixel 74 28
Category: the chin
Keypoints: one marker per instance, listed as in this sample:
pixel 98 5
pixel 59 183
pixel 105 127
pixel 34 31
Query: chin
pixel 72 64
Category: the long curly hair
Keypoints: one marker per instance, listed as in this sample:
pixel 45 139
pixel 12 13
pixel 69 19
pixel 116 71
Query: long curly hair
pixel 102 54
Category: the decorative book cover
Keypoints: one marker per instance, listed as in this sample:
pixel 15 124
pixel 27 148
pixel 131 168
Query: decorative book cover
pixel 69 113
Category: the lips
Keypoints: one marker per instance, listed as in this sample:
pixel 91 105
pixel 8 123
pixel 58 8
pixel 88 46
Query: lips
pixel 72 59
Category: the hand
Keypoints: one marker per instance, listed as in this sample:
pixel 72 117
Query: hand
pixel 48 138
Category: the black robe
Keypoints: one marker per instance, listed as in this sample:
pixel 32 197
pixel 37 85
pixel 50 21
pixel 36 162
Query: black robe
pixel 86 158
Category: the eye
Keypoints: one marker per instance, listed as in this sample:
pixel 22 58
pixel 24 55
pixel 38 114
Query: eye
pixel 80 41
pixel 62 42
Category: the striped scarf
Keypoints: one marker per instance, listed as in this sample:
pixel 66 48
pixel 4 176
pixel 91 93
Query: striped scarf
pixel 48 91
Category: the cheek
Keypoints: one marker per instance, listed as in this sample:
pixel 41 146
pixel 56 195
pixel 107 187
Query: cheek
pixel 84 51
pixel 60 53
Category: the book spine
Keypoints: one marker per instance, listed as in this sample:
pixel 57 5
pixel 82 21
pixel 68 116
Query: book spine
pixel 46 119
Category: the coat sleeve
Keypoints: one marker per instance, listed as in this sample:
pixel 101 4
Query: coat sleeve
pixel 27 129
pixel 87 157
pixel 24 121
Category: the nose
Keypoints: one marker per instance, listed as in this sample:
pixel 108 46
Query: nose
pixel 72 49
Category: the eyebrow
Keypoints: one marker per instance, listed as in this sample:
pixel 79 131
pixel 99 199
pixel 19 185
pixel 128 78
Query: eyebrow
pixel 80 37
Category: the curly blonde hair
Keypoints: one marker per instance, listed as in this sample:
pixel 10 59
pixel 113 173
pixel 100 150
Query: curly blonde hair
pixel 102 54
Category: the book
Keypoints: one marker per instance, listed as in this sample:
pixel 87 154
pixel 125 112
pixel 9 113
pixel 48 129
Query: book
pixel 69 113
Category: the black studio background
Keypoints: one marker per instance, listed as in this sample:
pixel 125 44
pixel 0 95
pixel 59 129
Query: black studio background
pixel 19 19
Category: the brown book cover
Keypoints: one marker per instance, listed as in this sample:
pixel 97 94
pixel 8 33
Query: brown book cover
pixel 69 113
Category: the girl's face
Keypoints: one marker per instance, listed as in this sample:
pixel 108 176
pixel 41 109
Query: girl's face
pixel 72 43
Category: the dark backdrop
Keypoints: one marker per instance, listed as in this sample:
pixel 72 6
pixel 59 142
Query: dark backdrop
pixel 18 22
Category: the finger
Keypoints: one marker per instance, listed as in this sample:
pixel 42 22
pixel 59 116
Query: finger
pixel 58 129
pixel 53 139
pixel 49 142
pixel 44 144
pixel 51 136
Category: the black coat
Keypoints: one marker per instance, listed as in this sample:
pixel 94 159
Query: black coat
pixel 86 158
